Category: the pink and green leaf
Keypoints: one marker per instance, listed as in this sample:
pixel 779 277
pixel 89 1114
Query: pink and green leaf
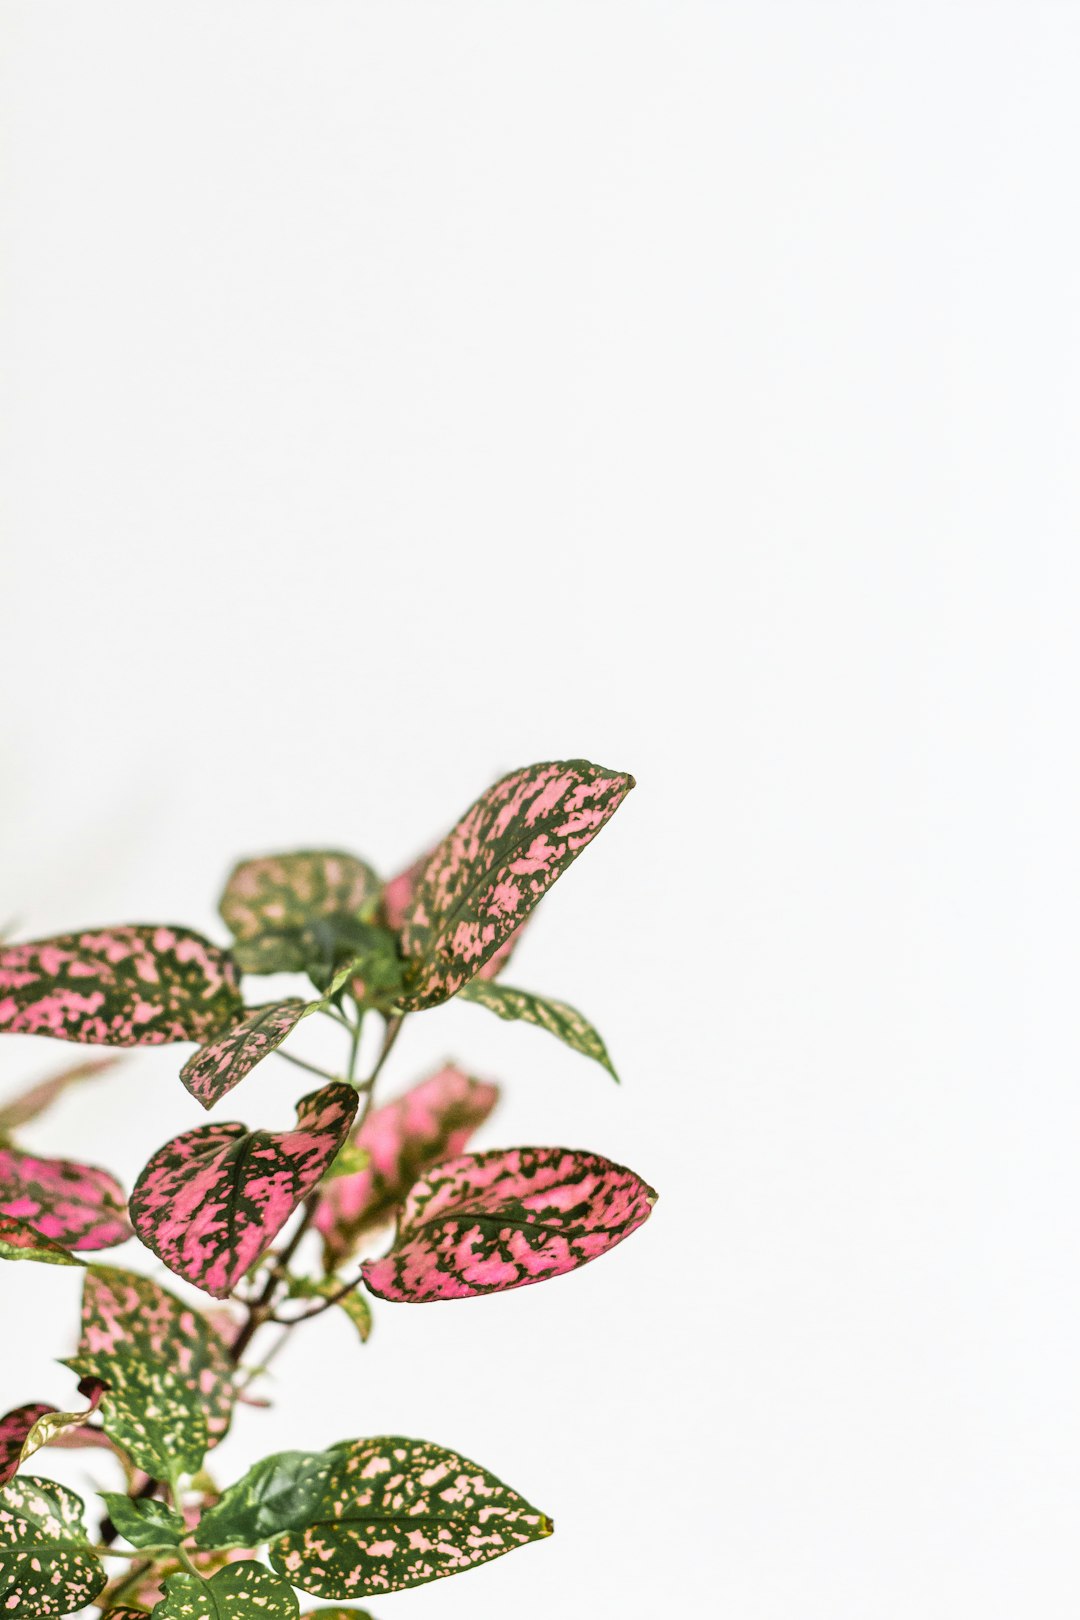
pixel 401 1139
pixel 397 1513
pixel 493 867
pixel 210 1201
pixel 486 1222
pixel 29 1104
pixel 128 1315
pixel 128 986
pixel 19 1241
pixel 272 892
pixel 28 1428
pixel 46 1565
pixel 398 896
pixel 74 1205
pixel 557 1017
pixel 220 1065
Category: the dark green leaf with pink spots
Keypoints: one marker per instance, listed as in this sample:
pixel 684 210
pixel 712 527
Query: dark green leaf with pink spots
pixel 556 1017
pixel 397 1513
pixel 46 1567
pixel 215 1068
pixel 142 985
pixel 292 911
pixel 244 1591
pixel 493 867
pixel 212 1200
pixel 486 1222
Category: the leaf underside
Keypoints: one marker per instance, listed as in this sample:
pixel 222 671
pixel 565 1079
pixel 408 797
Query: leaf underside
pixel 19 1241
pixel 486 1222
pixel 496 863
pixel 211 1201
pixel 138 985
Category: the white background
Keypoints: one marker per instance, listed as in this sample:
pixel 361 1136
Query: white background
pixel 396 393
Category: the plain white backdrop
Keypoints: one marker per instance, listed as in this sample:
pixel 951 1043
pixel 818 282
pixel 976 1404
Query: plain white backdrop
pixel 397 393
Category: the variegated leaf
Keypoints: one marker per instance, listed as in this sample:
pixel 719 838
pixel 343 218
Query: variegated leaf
pixel 142 985
pixel 556 1017
pixel 149 1410
pixel 405 1136
pixel 397 1513
pixel 272 892
pixel 278 1493
pixel 29 1104
pixel 74 1205
pixel 486 1222
pixel 244 1591
pixel 46 1566
pixel 334 1614
pixel 19 1241
pixel 493 867
pixel 28 1428
pixel 126 1314
pixel 352 1302
pixel 398 900
pixel 215 1068
pixel 144 1520
pixel 210 1201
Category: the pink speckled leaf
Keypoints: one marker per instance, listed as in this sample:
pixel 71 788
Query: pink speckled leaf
pixel 142 985
pixel 486 1222
pixel 273 893
pixel 557 1017
pixel 210 1201
pixel 28 1428
pixel 396 1513
pixel 500 859
pixel 29 1104
pixel 46 1565
pixel 215 1068
pixel 125 1313
pixel 401 1139
pixel 75 1205
pixel 18 1241
pixel 397 903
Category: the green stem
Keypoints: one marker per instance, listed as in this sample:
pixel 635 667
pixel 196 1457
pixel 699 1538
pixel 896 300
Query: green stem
pixel 302 1063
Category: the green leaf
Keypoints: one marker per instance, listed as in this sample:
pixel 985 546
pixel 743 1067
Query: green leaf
pixel 18 1241
pixel 149 1410
pixel 279 1493
pixel 397 1513
pixel 556 1017
pixel 374 973
pixel 46 1566
pixel 128 1314
pixel 144 1521
pixel 328 1614
pixel 243 1591
pixel 351 1159
pixel 353 1303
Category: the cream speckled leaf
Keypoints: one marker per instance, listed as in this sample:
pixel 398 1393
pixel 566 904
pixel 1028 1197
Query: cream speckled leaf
pixel 559 1019
pixel 496 863
pixel 398 1513
pixel 149 1410
pixel 46 1567
pixel 243 1591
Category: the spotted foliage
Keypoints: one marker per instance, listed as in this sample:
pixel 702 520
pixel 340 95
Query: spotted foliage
pixel 15 1426
pixel 401 1139
pixel 74 1205
pixel 493 867
pixel 29 1104
pixel 397 1513
pixel 142 985
pixel 149 1410
pixel 335 1614
pixel 46 1567
pixel 290 911
pixel 559 1019
pixel 242 1591
pixel 127 1316
pixel 19 1241
pixel 219 1066
pixel 210 1201
pixel 28 1428
pixel 486 1222
pixel 398 895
